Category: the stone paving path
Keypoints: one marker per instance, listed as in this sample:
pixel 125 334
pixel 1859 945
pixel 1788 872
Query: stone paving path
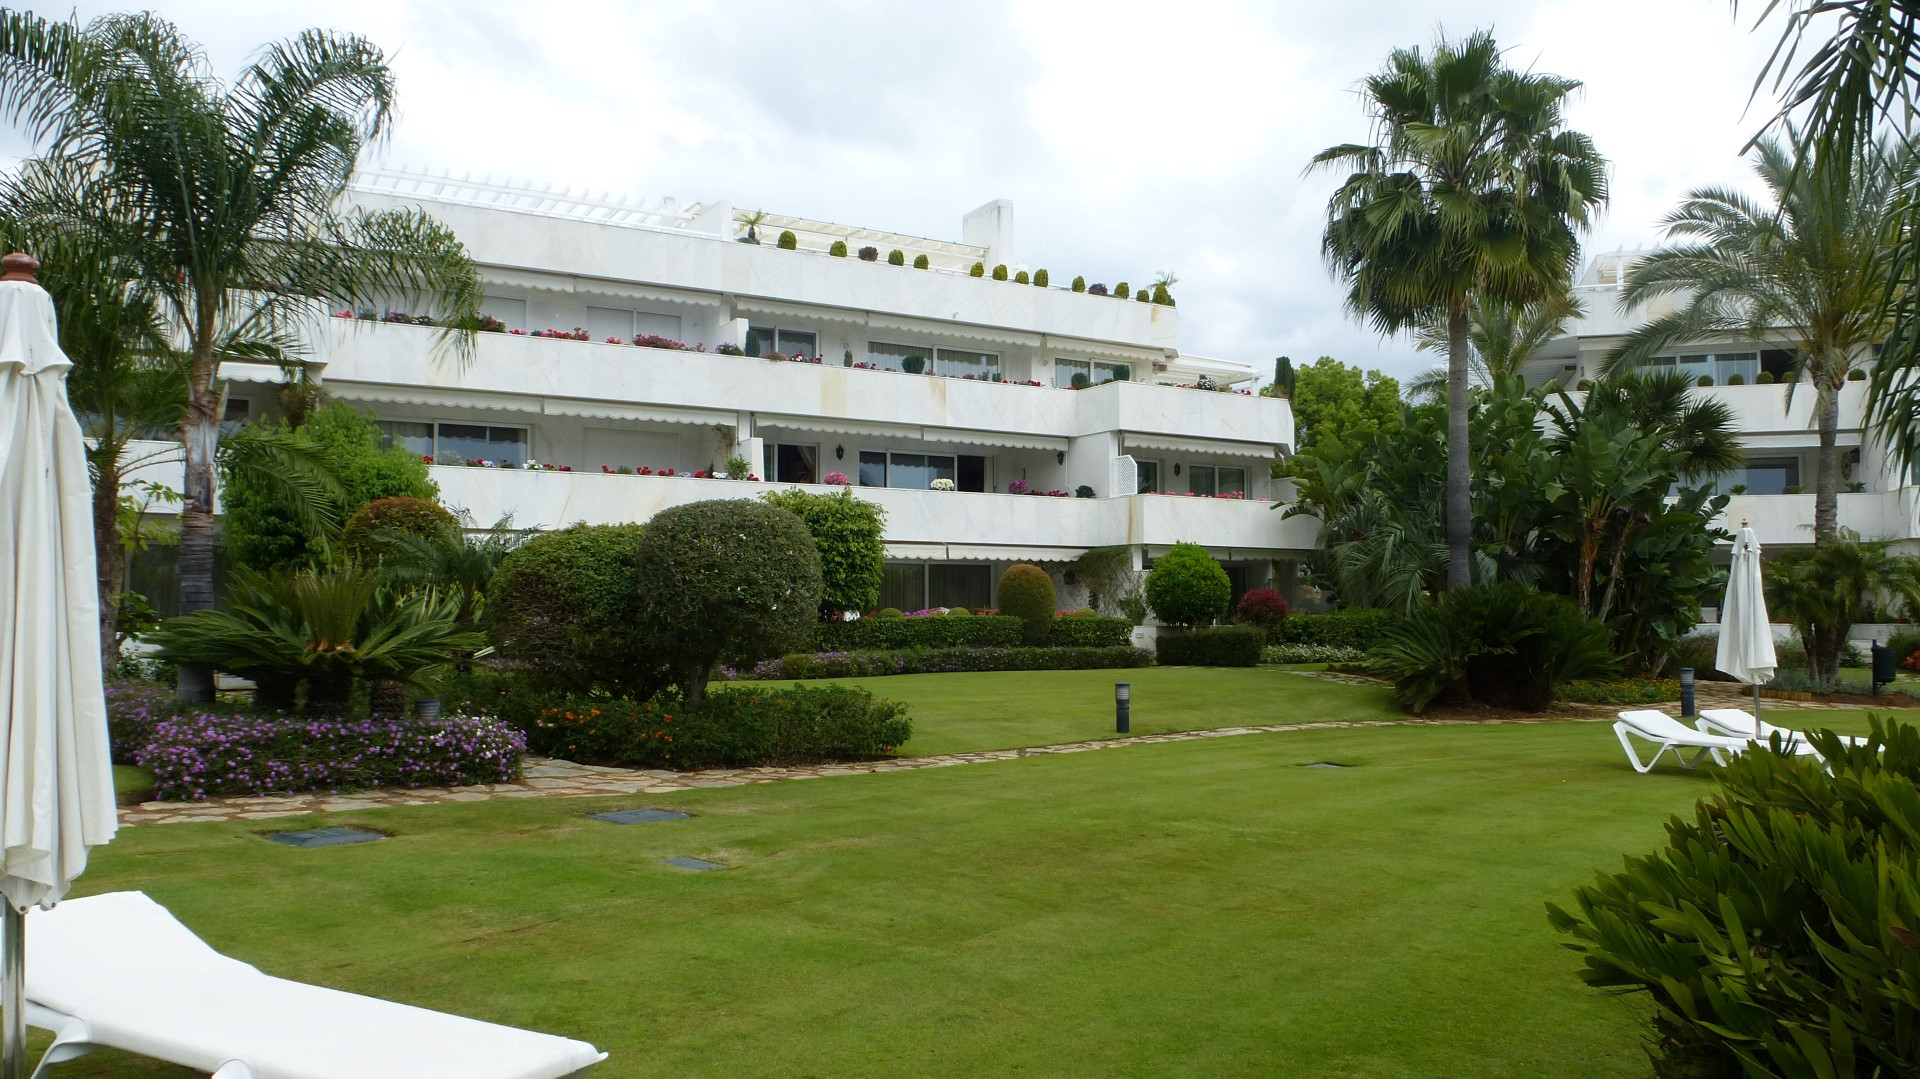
pixel 545 778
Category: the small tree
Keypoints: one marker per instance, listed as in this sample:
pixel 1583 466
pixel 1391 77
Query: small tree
pixel 979 270
pixel 896 257
pixel 725 578
pixel 1026 593
pixel 1079 284
pixel 1020 278
pixel 788 241
pixel 360 540
pixel 1040 278
pixel 921 262
pixel 1187 587
pixel 846 532
pixel 1122 290
pixel 564 605
pixel 1000 272
pixel 1262 607
pixel 838 249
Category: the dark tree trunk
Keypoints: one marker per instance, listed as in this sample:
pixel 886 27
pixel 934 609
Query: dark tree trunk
pixel 1826 469
pixel 199 433
pixel 1459 470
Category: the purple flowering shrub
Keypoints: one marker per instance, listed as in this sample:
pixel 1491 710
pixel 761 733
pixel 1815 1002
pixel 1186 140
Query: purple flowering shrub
pixel 133 708
pixel 939 661
pixel 200 754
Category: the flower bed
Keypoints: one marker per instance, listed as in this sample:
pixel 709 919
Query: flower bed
pixel 869 664
pixel 737 728
pixel 205 754
pixel 929 631
pixel 133 708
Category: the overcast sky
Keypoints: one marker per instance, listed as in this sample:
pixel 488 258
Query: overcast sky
pixel 1131 137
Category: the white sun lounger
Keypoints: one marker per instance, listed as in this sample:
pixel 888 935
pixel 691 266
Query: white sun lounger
pixel 1739 723
pixel 118 971
pixel 1671 736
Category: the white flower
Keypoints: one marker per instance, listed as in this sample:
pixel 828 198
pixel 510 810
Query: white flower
pixel 942 485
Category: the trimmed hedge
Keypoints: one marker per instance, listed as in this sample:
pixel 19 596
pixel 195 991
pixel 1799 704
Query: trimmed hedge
pixel 1081 632
pixel 196 755
pixel 1619 690
pixel 1027 593
pixel 1312 653
pixel 941 661
pixel 1217 646
pixel 1349 627
pixel 731 728
pixel 925 631
pixel 564 604
pixel 360 538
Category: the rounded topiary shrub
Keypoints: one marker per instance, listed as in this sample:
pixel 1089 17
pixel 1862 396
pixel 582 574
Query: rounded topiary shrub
pixel 1765 379
pixel 920 262
pixel 1096 289
pixel 1143 296
pixel 979 270
pixel 959 612
pixel 1000 272
pixel 1703 381
pixel 1262 607
pixel 838 249
pixel 896 257
pixel 1161 296
pixel 1026 593
pixel 1186 587
pixel 1020 278
pixel 1122 290
pixel 725 578
pixel 562 607
pixel 360 539
pixel 788 241
pixel 1040 278
pixel 890 612
pixel 1079 284
pixel 1856 375
pixel 869 254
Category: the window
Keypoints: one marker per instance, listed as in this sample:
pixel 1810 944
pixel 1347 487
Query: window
pixel 605 322
pixel 484 442
pixel 1149 472
pixel 959 363
pixel 511 311
pixel 237 410
pixel 973 474
pixel 903 586
pixel 1098 372
pixel 1216 480
pixel 959 586
pixel 795 464
pixel 893 357
pixel 873 468
pixel 408 435
pixel 1766 475
pixel 917 471
pixel 762 340
pixel 1719 366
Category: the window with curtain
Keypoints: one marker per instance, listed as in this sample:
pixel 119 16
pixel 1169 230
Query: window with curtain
pixel 409 435
pixel 959 586
pixel 873 468
pixel 1149 474
pixel 903 586
pixel 795 464
pixel 893 357
pixel 917 471
pixel 960 363
pixel 1064 369
pixel 483 442
pixel 605 322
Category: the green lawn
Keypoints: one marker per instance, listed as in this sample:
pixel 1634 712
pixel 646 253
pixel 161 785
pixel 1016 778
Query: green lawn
pixel 1183 909
pixel 957 713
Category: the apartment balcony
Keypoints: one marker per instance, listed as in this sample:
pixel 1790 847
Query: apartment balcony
pixel 381 362
pixel 1785 520
pixel 1761 414
pixel 938 525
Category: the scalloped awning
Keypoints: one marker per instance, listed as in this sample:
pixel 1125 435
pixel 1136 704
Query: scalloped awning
pixel 1210 447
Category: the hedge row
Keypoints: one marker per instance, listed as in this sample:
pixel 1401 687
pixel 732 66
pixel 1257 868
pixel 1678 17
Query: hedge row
pixel 1083 632
pixel 928 631
pixel 1312 653
pixel 731 728
pixel 941 661
pixel 1219 646
pixel 1349 627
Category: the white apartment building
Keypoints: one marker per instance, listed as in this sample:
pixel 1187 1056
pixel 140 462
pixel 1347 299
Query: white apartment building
pixel 1774 491
pixel 905 381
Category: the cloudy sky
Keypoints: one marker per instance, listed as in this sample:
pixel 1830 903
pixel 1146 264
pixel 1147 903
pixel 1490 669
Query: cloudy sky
pixel 1131 137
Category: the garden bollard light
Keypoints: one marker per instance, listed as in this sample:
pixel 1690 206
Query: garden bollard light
pixel 1686 693
pixel 1122 707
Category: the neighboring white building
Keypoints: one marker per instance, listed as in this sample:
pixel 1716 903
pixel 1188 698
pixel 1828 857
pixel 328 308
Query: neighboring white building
pixel 994 409
pixel 1774 492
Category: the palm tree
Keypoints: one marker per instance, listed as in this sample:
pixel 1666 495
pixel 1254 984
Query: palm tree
pixel 235 194
pixel 1807 267
pixel 1473 188
pixel 1502 338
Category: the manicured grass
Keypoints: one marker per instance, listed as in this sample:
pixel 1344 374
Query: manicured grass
pixel 129 780
pixel 1196 908
pixel 958 713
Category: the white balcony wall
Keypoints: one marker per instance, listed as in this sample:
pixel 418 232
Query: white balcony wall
pixel 585 251
pixel 1230 528
pixel 1785 520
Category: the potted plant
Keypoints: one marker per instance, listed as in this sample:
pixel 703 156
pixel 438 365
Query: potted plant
pixel 869 254
pixel 942 485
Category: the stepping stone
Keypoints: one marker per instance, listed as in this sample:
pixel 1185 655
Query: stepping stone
pixel 639 816
pixel 1325 764
pixel 699 864
pixel 324 837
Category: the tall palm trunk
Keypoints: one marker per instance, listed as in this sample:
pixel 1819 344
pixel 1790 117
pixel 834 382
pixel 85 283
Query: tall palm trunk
pixel 1459 470
pixel 109 557
pixel 199 432
pixel 1826 469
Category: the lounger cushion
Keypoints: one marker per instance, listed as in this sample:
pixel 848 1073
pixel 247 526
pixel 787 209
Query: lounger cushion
pixel 145 983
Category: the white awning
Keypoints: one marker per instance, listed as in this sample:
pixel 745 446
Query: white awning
pixel 1792 441
pixel 801 316
pixel 918 551
pixel 834 426
pixel 1005 439
pixel 431 397
pixel 1206 446
pixel 570 284
pixel 964 552
pixel 236 371
pixel 934 328
pixel 614 410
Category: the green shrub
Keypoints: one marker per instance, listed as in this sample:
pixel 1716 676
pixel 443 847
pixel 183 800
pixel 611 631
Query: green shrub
pixel 1161 296
pixel 1765 378
pixel 725 577
pixel 1186 587
pixel 920 262
pixel 846 533
pixel 959 612
pixel 1903 645
pixel 360 539
pixel 1773 932
pixel 896 257
pixel 1026 593
pixel 1736 380
pixel 1502 644
pixel 788 241
pixel 1040 278
pixel 890 612
pixel 1348 627
pixel 1214 646
pixel 563 607
pixel 1697 650
pixel 1262 607
pixel 1000 272
pixel 1704 381
pixel 1020 277
pixel 1620 690
pixel 1312 653
pixel 730 728
pixel 1079 284
pixel 979 270
pixel 1084 632
pixel 1856 375
pixel 1122 290
pixel 922 632
pixel 259 528
pixel 944 661
pixel 1144 296
pixel 1583 385
pixel 913 365
pixel 838 249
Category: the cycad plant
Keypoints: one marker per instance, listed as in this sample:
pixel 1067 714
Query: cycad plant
pixel 1822 590
pixel 327 629
pixel 449 560
pixel 234 196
